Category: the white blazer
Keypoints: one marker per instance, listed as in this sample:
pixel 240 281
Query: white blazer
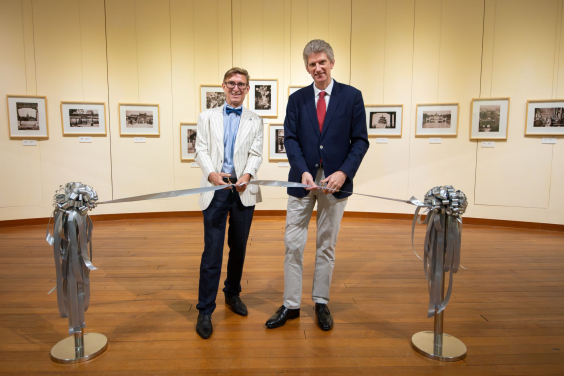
pixel 247 154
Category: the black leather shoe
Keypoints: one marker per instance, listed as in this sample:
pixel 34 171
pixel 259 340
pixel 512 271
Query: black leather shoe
pixel 236 305
pixel 282 315
pixel 324 319
pixel 204 326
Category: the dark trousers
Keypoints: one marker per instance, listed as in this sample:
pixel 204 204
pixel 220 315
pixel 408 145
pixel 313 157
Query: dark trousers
pixel 215 217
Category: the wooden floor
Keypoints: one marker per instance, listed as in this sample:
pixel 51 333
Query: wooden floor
pixel 508 307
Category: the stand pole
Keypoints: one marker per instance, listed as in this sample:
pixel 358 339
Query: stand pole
pixel 437 345
pixel 79 348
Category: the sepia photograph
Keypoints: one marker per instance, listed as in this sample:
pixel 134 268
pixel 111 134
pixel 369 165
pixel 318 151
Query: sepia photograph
pixel 263 97
pixel 489 118
pixel 545 118
pixel 215 99
pixel 276 148
pixel 139 119
pixel 27 116
pixel 384 120
pixel 188 135
pixel 263 100
pixel 280 141
pixel 548 117
pixel 83 118
pixel 437 120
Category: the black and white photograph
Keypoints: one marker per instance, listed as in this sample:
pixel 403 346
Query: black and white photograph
pixel 280 141
pixel 263 97
pixel 83 118
pixel 545 117
pixel 215 99
pixel 27 116
pixel 437 119
pixel 188 133
pixel 276 149
pixel 384 120
pixel 489 118
pixel 139 119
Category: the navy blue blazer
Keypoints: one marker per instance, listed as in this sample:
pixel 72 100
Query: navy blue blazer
pixel 341 145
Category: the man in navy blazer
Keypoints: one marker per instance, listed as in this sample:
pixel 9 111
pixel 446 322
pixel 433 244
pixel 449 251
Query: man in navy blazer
pixel 325 139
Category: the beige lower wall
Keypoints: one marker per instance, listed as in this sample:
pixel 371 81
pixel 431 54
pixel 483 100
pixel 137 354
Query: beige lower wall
pixel 397 52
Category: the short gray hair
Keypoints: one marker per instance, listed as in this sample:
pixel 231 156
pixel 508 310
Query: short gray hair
pixel 318 45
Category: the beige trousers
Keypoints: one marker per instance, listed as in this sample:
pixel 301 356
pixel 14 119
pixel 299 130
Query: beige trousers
pixel 329 214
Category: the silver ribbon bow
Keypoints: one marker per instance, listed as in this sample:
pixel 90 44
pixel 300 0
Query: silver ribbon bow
pixel 445 207
pixel 71 242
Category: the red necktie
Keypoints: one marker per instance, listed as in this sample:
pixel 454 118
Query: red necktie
pixel 321 110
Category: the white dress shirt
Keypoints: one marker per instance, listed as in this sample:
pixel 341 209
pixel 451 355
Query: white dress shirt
pixel 327 91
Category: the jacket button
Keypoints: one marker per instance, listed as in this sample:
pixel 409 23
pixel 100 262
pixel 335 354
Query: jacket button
pixel 321 147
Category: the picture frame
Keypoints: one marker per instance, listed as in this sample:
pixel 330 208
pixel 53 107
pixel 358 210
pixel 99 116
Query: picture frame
pixel 139 119
pixel 263 97
pixel 276 149
pixel 211 96
pixel 83 118
pixel 293 88
pixel 27 116
pixel 489 118
pixel 544 117
pixel 384 120
pixel 437 120
pixel 188 132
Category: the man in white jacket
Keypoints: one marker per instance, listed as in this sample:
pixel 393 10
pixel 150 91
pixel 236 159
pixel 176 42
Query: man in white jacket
pixel 228 150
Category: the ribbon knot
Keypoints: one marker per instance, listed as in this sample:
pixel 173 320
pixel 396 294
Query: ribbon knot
pixel 238 110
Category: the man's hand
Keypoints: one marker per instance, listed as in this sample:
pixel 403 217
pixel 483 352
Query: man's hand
pixel 334 181
pixel 307 179
pixel 217 178
pixel 245 179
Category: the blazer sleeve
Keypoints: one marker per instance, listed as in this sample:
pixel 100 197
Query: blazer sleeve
pixel 359 139
pixel 292 140
pixel 203 141
pixel 254 159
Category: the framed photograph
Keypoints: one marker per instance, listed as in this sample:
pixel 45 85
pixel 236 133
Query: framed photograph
pixel 439 120
pixel 384 120
pixel 263 97
pixel 188 141
pixel 211 96
pixel 27 116
pixel 293 89
pixel 545 118
pixel 276 149
pixel 83 118
pixel 489 118
pixel 139 119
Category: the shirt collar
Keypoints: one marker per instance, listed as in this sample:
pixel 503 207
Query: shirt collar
pixel 327 90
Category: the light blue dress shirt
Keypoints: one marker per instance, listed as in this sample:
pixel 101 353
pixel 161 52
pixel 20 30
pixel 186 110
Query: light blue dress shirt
pixel 230 129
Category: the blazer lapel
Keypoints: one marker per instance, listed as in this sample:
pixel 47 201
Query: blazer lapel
pixel 333 103
pixel 311 110
pixel 244 129
pixel 216 124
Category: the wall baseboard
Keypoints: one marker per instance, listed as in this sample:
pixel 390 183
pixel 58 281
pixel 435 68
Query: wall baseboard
pixel 282 213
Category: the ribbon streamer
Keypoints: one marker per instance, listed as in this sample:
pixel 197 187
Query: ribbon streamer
pixel 71 242
pixel 445 207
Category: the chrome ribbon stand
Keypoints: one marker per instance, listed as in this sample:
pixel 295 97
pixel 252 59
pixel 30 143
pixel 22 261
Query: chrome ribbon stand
pixel 441 255
pixel 71 242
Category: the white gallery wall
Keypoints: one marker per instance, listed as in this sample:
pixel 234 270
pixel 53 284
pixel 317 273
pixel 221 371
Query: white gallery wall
pixel 396 51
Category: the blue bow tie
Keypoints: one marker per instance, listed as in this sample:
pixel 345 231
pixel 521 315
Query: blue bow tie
pixel 229 109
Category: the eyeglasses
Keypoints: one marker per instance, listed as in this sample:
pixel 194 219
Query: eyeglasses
pixel 240 85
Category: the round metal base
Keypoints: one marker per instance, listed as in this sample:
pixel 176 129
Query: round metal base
pixel 65 351
pixel 452 349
